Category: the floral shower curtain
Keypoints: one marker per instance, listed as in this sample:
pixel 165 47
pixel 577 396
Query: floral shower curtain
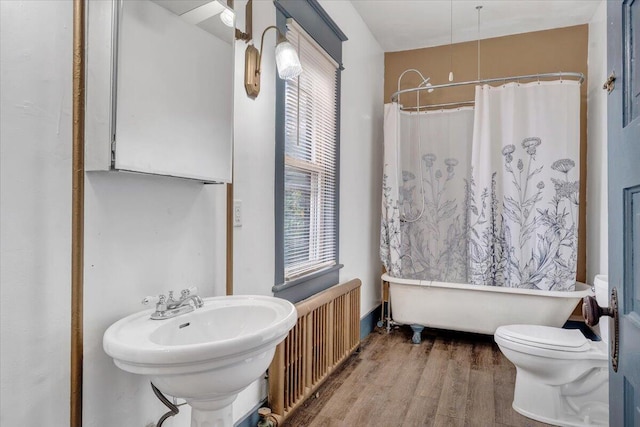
pixel 490 196
pixel 424 226
pixel 390 221
pixel 523 194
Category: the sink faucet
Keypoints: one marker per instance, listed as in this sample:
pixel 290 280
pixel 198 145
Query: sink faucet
pixel 186 297
pixel 168 308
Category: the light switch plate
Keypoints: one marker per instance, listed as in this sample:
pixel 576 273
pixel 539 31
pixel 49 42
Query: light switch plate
pixel 237 213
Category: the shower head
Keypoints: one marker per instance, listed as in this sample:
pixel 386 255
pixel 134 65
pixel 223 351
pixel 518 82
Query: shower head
pixel 425 83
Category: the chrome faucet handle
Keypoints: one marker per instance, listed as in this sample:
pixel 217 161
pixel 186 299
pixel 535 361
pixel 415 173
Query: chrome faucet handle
pixel 160 302
pixel 193 290
pixel 192 294
pixel 149 299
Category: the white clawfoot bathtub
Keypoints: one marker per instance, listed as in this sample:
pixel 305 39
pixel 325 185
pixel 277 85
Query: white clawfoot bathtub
pixel 479 309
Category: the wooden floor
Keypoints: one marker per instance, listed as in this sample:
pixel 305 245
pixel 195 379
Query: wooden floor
pixel 450 379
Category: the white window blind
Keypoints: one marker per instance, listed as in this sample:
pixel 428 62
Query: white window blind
pixel 310 160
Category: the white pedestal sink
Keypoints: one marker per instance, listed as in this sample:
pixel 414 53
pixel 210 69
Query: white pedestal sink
pixel 206 356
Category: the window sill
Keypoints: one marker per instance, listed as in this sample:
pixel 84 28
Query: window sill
pixel 303 287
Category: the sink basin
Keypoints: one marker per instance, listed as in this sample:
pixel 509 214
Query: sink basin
pixel 206 356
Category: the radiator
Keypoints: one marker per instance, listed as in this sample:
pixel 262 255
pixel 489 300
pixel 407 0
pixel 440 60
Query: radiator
pixel 326 333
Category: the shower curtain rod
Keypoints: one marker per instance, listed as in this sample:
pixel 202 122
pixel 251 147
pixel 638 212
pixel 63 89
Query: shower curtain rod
pixel 418 108
pixel 578 76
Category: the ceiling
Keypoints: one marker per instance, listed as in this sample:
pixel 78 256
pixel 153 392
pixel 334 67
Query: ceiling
pixel 203 13
pixel 411 24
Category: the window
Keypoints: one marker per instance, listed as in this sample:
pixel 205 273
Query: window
pixel 307 154
pixel 310 121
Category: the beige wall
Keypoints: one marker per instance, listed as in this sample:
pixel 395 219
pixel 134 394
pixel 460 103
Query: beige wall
pixel 562 49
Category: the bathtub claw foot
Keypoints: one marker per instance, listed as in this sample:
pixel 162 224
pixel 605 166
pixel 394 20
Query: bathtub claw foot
pixel 417 330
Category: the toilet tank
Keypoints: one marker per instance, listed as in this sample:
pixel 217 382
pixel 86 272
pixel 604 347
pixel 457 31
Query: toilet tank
pixel 601 283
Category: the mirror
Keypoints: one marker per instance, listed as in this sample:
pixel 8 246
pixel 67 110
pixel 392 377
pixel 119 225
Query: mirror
pixel 170 87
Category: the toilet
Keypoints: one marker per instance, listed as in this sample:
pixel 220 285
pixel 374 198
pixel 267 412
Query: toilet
pixel 562 378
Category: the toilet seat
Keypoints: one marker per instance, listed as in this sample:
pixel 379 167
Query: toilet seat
pixel 549 342
pixel 545 337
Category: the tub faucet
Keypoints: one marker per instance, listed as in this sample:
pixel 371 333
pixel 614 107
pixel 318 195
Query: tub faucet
pixel 167 308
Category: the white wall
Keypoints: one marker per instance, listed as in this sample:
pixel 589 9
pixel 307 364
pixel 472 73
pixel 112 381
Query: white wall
pixel 361 157
pixel 597 215
pixel 360 171
pixel 253 176
pixel 35 211
pixel 145 235
pixel 254 161
pixel 361 147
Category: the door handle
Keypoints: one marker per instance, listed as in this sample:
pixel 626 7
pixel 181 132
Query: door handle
pixel 591 312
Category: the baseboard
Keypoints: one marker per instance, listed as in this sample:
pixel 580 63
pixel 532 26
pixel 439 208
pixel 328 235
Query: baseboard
pixel 368 322
pixel 252 418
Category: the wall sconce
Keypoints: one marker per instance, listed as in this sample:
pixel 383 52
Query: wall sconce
pixel 287 62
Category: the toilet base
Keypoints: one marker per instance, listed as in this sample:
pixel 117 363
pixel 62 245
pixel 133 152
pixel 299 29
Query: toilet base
pixel 552 405
pixel 562 422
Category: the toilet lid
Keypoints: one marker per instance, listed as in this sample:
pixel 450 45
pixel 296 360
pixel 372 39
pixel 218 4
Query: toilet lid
pixel 545 337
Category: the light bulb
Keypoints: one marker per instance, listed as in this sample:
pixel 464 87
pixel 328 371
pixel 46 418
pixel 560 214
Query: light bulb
pixel 287 61
pixel 227 17
pixel 450 76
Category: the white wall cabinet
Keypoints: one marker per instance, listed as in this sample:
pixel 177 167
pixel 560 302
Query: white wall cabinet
pixel 159 91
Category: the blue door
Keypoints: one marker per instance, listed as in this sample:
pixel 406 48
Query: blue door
pixel 623 56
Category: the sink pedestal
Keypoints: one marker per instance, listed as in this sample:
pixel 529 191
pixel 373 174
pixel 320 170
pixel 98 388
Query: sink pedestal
pixel 212 413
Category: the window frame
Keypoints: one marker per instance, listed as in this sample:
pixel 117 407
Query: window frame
pixel 310 16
